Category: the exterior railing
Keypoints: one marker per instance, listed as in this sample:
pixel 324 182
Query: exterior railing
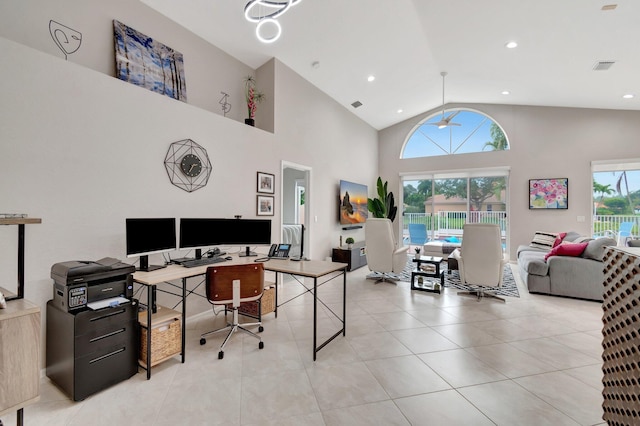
pixel 449 223
pixel 609 224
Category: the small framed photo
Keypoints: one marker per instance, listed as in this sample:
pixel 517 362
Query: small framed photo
pixel 265 205
pixel 266 183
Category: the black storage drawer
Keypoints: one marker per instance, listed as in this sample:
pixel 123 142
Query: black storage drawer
pixel 102 369
pixel 89 321
pixel 103 338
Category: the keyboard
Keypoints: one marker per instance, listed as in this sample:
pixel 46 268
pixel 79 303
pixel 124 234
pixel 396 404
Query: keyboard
pixel 202 262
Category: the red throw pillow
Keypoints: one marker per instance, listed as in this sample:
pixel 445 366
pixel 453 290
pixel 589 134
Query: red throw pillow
pixel 559 238
pixel 567 249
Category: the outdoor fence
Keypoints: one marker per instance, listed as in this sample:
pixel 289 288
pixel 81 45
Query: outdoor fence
pixel 449 223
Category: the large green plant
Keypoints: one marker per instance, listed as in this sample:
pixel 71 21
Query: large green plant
pixel 384 205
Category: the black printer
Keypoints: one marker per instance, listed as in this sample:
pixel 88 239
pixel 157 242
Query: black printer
pixel 78 282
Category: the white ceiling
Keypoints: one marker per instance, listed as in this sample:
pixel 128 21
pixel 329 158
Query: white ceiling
pixel 405 44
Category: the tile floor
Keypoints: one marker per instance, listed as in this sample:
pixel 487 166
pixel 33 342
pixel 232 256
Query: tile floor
pixel 408 358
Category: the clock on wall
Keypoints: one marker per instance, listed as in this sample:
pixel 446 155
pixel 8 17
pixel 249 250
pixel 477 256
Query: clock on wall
pixel 187 165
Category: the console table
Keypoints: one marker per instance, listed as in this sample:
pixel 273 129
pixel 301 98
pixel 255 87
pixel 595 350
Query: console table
pixel 355 257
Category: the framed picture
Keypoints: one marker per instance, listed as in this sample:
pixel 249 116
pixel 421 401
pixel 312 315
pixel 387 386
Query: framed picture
pixel 146 62
pixel 266 182
pixel 549 193
pixel 265 205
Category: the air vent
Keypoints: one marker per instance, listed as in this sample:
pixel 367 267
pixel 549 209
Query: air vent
pixel 356 104
pixel 609 6
pixel 603 65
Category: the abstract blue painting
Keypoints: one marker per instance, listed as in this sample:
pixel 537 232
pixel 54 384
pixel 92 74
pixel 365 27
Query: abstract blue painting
pixel 142 61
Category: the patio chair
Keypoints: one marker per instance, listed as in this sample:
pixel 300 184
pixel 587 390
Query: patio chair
pixel 623 234
pixel 417 234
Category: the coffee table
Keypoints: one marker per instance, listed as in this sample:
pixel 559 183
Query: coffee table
pixel 428 285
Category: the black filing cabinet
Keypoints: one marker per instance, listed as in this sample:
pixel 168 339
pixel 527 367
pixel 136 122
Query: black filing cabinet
pixel 88 351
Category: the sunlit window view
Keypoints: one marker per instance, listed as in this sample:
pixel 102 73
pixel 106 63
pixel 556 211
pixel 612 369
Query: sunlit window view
pixel 468 131
pixel 443 206
pixel 616 204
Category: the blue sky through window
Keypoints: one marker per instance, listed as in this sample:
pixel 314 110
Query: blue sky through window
pixel 470 136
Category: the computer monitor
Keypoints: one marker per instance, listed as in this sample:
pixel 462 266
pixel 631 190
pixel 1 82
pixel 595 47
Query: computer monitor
pixel 147 236
pixel 198 233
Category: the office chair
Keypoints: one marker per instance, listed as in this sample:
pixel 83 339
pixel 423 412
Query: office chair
pixel 232 285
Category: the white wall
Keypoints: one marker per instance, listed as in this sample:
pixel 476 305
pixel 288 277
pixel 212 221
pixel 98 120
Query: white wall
pixel 208 70
pixel 330 140
pixel 83 151
pixel 544 142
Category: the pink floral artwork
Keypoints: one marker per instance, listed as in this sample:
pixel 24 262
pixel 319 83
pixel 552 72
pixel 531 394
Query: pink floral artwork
pixel 548 193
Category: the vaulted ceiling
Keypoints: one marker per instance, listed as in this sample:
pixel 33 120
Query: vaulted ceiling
pixel 337 44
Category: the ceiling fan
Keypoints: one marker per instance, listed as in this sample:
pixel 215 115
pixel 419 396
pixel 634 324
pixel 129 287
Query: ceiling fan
pixel 444 122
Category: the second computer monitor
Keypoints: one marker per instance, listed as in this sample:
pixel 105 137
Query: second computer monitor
pixel 197 233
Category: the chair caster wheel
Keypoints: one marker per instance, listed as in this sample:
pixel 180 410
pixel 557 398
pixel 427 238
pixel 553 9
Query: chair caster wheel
pixel 220 355
pixel 261 345
pixel 202 341
pixel 260 329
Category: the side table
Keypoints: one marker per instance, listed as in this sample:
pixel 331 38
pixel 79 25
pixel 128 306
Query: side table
pixel 428 285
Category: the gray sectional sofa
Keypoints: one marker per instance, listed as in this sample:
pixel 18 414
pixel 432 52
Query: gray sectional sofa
pixel 580 277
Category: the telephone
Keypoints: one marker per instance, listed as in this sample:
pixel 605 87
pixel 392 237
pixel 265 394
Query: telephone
pixel 279 250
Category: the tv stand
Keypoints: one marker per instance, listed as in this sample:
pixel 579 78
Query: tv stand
pixel 248 253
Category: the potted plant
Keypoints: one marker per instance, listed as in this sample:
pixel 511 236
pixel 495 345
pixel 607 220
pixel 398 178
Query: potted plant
pixel 417 250
pixel 349 242
pixel 384 205
pixel 253 98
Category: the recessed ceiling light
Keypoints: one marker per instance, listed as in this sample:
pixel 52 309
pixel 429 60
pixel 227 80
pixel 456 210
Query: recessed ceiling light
pixel 505 92
pixel 511 45
pixel 400 111
pixel 628 96
pixel 370 78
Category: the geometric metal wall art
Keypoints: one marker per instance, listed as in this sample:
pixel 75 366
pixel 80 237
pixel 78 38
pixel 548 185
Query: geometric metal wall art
pixel 187 165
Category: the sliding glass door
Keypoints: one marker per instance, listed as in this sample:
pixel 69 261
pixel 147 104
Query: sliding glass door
pixel 446 201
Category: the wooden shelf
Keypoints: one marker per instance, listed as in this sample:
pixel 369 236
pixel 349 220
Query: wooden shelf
pixel 163 314
pixel 19 221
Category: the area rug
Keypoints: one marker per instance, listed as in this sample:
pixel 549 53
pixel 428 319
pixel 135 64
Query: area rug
pixel 509 287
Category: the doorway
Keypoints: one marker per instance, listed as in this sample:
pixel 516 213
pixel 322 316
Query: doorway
pixel 296 198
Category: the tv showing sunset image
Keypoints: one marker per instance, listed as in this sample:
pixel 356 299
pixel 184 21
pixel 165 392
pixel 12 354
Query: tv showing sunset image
pixel 353 203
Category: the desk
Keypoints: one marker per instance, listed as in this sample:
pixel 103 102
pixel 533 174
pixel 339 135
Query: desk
pixel 313 269
pixel 309 269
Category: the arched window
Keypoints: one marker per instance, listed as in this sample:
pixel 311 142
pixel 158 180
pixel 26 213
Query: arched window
pixel 468 131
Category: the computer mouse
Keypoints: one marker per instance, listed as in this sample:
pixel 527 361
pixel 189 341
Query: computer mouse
pixel 228 258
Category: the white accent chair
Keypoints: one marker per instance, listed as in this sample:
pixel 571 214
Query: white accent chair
pixel 480 259
pixel 384 258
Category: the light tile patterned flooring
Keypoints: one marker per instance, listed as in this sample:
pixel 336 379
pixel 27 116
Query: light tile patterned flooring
pixel 408 358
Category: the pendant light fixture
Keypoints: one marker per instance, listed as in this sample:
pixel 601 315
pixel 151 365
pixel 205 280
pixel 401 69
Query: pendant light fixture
pixel 264 13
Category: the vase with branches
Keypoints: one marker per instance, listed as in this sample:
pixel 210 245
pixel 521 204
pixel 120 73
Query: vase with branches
pixel 252 97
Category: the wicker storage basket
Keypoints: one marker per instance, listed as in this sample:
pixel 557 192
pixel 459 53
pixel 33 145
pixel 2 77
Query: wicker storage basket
pixel 166 341
pixel 265 305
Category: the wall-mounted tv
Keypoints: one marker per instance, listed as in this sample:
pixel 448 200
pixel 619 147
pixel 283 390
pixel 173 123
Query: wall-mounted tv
pixel 353 203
